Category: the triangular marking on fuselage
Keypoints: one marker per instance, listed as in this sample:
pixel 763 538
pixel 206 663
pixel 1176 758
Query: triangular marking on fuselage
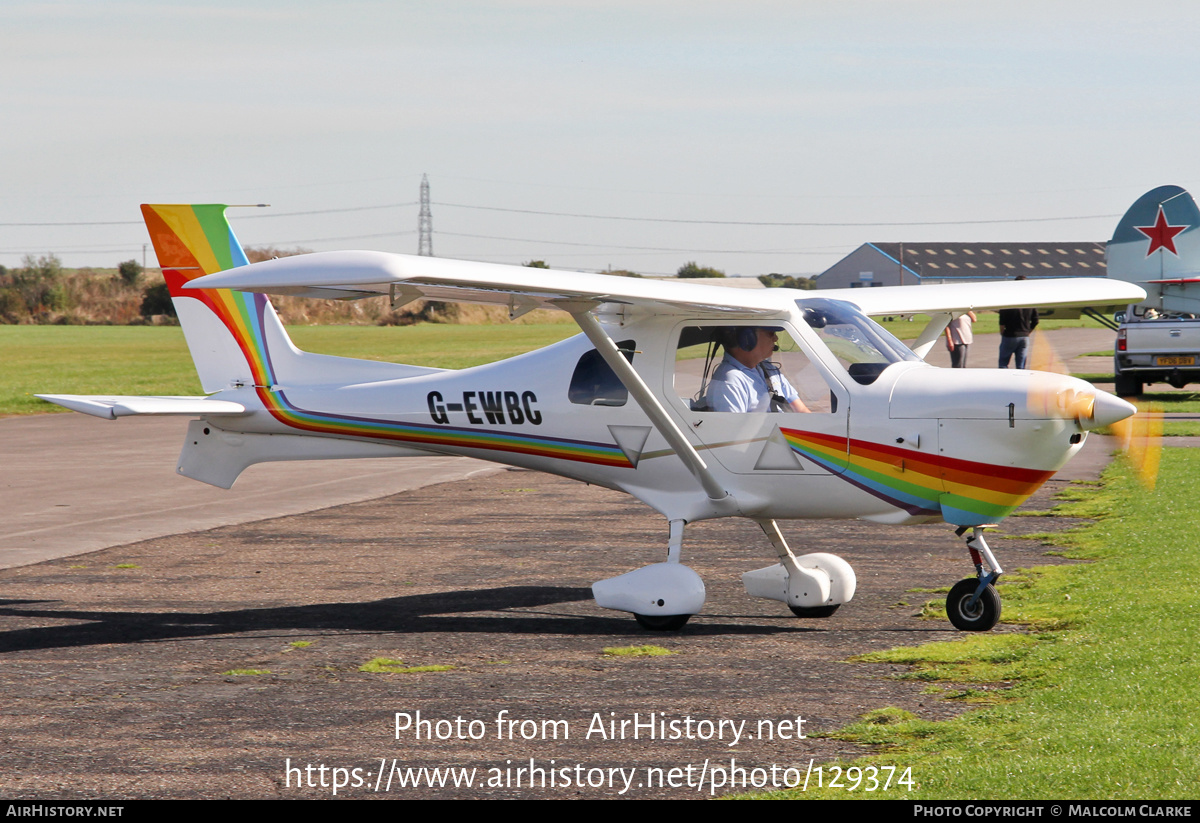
pixel 777 455
pixel 631 440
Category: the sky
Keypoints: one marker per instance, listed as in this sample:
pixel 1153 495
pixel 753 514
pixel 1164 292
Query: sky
pixel 751 136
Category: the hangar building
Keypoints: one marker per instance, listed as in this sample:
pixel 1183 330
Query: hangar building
pixel 910 264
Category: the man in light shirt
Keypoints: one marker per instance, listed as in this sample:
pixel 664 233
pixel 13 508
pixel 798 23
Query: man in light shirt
pixel 745 380
pixel 958 338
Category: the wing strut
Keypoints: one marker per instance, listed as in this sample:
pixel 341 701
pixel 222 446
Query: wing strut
pixel 933 330
pixel 1103 319
pixel 650 405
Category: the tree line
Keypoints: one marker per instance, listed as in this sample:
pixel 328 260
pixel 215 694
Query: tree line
pixel 41 291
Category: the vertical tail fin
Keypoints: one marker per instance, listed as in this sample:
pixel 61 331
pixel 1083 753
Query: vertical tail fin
pixel 232 335
pixel 1157 239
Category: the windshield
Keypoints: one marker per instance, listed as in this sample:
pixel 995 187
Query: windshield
pixel 862 346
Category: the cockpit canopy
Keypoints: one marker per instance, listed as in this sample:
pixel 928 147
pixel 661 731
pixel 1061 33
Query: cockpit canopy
pixel 862 346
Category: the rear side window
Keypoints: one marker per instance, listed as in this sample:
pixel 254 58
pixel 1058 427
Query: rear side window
pixel 594 383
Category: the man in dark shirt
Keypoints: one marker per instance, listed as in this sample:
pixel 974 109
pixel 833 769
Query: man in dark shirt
pixel 1015 328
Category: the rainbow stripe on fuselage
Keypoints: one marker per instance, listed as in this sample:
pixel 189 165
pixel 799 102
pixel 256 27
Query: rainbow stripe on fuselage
pixel 194 240
pixel 962 492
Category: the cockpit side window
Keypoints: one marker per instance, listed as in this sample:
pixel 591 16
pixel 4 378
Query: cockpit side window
pixel 699 356
pixel 594 383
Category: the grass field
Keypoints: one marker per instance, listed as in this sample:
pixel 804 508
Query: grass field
pixel 988 323
pixel 155 359
pixel 1101 699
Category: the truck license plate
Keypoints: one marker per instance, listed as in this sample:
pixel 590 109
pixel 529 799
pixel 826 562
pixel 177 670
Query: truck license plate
pixel 1174 361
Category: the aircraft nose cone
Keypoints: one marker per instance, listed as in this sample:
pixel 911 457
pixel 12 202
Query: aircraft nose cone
pixel 1108 409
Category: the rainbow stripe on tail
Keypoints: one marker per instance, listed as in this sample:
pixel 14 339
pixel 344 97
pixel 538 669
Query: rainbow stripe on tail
pixel 227 332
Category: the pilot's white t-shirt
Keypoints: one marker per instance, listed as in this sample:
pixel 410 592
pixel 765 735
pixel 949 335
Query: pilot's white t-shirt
pixel 738 388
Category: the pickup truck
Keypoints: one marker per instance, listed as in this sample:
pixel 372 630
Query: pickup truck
pixel 1155 347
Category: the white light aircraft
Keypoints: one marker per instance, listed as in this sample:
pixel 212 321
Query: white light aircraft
pixel 887 437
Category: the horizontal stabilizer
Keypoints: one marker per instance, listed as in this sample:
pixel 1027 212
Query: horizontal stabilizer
pixel 110 407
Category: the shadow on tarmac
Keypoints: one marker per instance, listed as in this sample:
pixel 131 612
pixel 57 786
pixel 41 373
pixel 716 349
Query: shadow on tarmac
pixel 414 614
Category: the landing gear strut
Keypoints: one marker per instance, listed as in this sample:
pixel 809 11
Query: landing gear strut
pixel 973 604
pixel 661 597
pixel 812 585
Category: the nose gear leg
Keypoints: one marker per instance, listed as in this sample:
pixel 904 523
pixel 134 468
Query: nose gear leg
pixel 977 545
pixel 974 604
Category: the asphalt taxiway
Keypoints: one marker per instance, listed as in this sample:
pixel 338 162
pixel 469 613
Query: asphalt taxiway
pixel 73 483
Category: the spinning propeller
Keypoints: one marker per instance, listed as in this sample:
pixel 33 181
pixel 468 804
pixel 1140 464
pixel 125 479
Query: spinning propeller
pixel 1139 435
pixel 1141 439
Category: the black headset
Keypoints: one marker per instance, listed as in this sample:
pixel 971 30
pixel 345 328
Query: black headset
pixel 739 337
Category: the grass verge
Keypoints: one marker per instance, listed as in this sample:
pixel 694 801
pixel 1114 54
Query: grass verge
pixel 388 665
pixel 1105 706
pixel 155 360
pixel 988 323
pixel 636 651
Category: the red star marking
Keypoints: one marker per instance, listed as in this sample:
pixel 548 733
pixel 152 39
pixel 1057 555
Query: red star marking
pixel 1161 234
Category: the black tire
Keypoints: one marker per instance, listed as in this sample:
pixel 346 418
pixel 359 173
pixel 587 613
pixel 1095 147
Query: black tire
pixel 1127 386
pixel 662 622
pixel 814 611
pixel 978 618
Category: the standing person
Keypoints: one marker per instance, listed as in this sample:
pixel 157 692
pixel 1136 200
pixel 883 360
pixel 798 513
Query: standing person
pixel 1015 327
pixel 958 338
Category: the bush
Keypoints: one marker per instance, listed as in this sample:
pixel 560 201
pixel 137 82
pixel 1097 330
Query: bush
pixel 12 306
pixel 39 284
pixel 157 300
pixel 129 272
pixel 786 281
pixel 257 254
pixel 690 269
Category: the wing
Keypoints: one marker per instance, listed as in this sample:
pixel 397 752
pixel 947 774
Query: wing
pixel 351 274
pixel 1097 293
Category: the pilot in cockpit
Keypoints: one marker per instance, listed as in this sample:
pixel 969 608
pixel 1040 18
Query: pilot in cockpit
pixel 746 380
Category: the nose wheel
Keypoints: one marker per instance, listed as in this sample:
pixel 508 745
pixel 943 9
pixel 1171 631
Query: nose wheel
pixel 973 604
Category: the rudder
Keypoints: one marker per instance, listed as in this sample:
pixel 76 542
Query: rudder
pixel 1157 239
pixel 227 332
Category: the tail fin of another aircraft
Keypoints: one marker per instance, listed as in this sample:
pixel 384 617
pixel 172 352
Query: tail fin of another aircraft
pixel 1157 239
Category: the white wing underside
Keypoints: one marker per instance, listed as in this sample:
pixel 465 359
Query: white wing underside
pixel 354 274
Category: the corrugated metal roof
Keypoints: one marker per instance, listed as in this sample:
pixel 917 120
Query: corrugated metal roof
pixel 1057 258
